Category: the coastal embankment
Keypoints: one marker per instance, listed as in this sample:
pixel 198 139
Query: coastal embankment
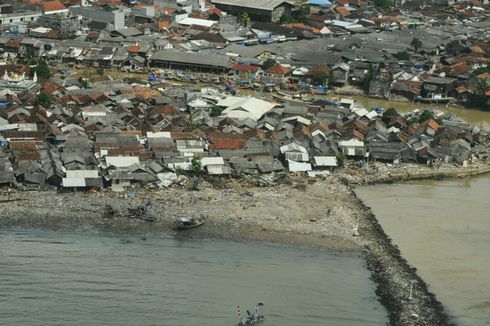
pixel 322 213
pixel 381 173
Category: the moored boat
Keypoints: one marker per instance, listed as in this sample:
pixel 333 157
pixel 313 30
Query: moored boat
pixel 185 223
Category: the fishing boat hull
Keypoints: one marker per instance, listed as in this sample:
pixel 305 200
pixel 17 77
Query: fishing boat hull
pixel 189 224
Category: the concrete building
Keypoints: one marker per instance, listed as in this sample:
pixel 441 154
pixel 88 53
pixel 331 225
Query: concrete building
pixel 19 17
pixel 18 83
pixel 258 10
pixel 99 17
pixel 65 25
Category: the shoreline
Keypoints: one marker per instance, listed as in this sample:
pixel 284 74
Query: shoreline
pixel 291 214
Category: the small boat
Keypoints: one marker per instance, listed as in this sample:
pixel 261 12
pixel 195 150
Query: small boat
pixel 185 223
pixel 251 319
pixel 296 98
pixel 434 99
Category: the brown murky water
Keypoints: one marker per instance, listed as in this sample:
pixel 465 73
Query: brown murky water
pixel 443 229
pixel 473 116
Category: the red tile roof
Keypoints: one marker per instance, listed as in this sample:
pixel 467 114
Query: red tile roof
pixel 133 49
pixel 244 67
pixel 53 6
pixel 229 143
pixel 432 124
pixel 484 76
pixel 215 11
pixel 459 69
pixel 278 70
pixel 163 24
pixel 343 11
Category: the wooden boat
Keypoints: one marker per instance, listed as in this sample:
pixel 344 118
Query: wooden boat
pixel 435 99
pixel 185 223
pixel 297 98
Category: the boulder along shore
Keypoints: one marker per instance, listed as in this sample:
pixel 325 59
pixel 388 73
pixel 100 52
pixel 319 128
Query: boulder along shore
pixel 317 213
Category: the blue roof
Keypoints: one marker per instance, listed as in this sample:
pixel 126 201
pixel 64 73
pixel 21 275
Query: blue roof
pixel 320 2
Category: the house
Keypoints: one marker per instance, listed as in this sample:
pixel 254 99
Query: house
pixel 298 166
pixel 438 87
pixel 294 152
pixel 340 73
pixel 82 179
pixel 391 152
pixel 352 148
pixel 242 108
pixel 201 62
pixel 325 162
pixel 54 8
pixel 244 73
pixel 257 10
pixel 277 75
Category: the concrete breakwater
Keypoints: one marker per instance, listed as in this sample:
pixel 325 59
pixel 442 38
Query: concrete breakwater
pixel 404 294
pixel 414 172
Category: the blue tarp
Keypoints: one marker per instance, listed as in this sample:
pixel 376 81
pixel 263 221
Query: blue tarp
pixel 319 2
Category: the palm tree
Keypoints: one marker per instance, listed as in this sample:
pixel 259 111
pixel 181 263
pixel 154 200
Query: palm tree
pixel 416 44
pixel 245 19
pixel 481 86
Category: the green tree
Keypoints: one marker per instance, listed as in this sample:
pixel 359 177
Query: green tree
pixel 43 99
pixel 286 18
pixel 29 57
pixel 100 71
pixel 216 111
pixel 84 82
pixel 478 97
pixel 269 63
pixel 454 47
pixel 245 19
pixel 391 112
pixel 320 77
pixel 340 158
pixel 368 77
pixel 301 10
pixel 402 55
pixel 196 163
pixel 426 115
pixel 42 70
pixel 384 4
pixel 481 70
pixel 416 44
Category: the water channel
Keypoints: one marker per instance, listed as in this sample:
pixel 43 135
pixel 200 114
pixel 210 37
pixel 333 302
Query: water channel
pixel 54 278
pixel 443 229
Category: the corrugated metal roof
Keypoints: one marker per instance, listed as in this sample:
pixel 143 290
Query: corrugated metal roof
pixel 298 166
pixel 73 182
pixel 75 174
pixel 256 4
pixel 325 161
pixel 202 59
pixel 121 161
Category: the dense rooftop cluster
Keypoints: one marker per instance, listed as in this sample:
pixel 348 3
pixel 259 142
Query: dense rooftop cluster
pixel 86 98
